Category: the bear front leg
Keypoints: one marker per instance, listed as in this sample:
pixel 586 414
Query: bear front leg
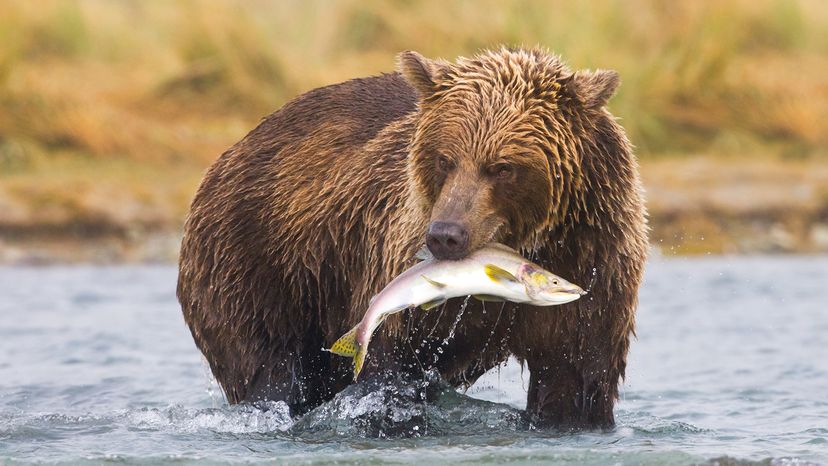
pixel 302 380
pixel 577 352
pixel 566 395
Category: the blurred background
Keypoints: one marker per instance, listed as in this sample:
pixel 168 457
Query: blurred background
pixel 111 110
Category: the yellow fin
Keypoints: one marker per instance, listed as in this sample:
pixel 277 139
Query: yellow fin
pixel 347 344
pixel 498 275
pixel 432 304
pixel 433 282
pixel 488 297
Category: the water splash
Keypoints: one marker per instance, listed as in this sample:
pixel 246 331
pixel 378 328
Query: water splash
pixel 368 409
pixel 396 407
pixel 453 328
pixel 214 390
pixel 592 280
pixel 261 418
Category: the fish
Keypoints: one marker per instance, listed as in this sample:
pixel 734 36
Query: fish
pixel 494 272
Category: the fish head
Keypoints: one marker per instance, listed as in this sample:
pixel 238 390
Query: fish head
pixel 545 288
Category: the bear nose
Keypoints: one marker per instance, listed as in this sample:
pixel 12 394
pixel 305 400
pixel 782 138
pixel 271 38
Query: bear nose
pixel 447 240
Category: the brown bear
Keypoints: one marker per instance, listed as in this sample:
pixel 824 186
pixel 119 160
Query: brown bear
pixel 296 226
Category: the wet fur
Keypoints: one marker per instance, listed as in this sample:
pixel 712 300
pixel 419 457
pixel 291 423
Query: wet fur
pixel 296 226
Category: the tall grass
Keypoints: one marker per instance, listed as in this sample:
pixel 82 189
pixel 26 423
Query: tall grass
pixel 123 78
pixel 161 84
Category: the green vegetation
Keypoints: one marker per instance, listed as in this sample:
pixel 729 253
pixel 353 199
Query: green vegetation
pixel 112 108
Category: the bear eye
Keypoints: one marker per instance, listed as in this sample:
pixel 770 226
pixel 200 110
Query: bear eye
pixel 444 163
pixel 502 171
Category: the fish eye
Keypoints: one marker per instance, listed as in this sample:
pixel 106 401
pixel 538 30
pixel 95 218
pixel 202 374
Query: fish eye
pixel 554 282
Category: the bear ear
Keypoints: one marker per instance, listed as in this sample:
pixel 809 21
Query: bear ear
pixel 594 88
pixel 420 72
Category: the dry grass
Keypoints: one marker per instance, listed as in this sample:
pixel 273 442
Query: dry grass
pixel 112 109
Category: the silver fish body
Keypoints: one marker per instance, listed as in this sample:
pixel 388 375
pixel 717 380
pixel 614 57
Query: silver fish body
pixel 492 272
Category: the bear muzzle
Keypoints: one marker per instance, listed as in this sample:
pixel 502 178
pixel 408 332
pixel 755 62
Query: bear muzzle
pixel 447 240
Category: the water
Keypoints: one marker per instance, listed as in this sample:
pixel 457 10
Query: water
pixel 96 365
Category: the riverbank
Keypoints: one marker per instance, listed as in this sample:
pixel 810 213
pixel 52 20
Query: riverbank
pixel 739 205
pixel 111 111
pixel 99 213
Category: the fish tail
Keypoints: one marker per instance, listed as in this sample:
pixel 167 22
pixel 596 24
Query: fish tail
pixel 347 344
pixel 359 361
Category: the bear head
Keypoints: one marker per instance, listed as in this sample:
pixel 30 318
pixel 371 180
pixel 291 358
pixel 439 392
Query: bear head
pixel 497 146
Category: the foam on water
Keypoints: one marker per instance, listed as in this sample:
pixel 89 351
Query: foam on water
pixel 270 418
pixel 96 365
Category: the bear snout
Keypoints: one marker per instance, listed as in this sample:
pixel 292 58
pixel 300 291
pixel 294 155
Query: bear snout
pixel 447 240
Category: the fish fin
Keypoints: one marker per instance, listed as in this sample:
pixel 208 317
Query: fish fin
pixel 424 254
pixel 432 304
pixel 433 282
pixel 347 344
pixel 498 275
pixel 488 298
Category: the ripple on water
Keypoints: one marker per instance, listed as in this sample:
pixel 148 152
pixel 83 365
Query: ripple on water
pixel 97 366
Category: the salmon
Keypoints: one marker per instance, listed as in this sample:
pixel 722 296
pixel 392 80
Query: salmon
pixel 492 273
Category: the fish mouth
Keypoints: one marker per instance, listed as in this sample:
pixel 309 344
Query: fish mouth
pixel 563 297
